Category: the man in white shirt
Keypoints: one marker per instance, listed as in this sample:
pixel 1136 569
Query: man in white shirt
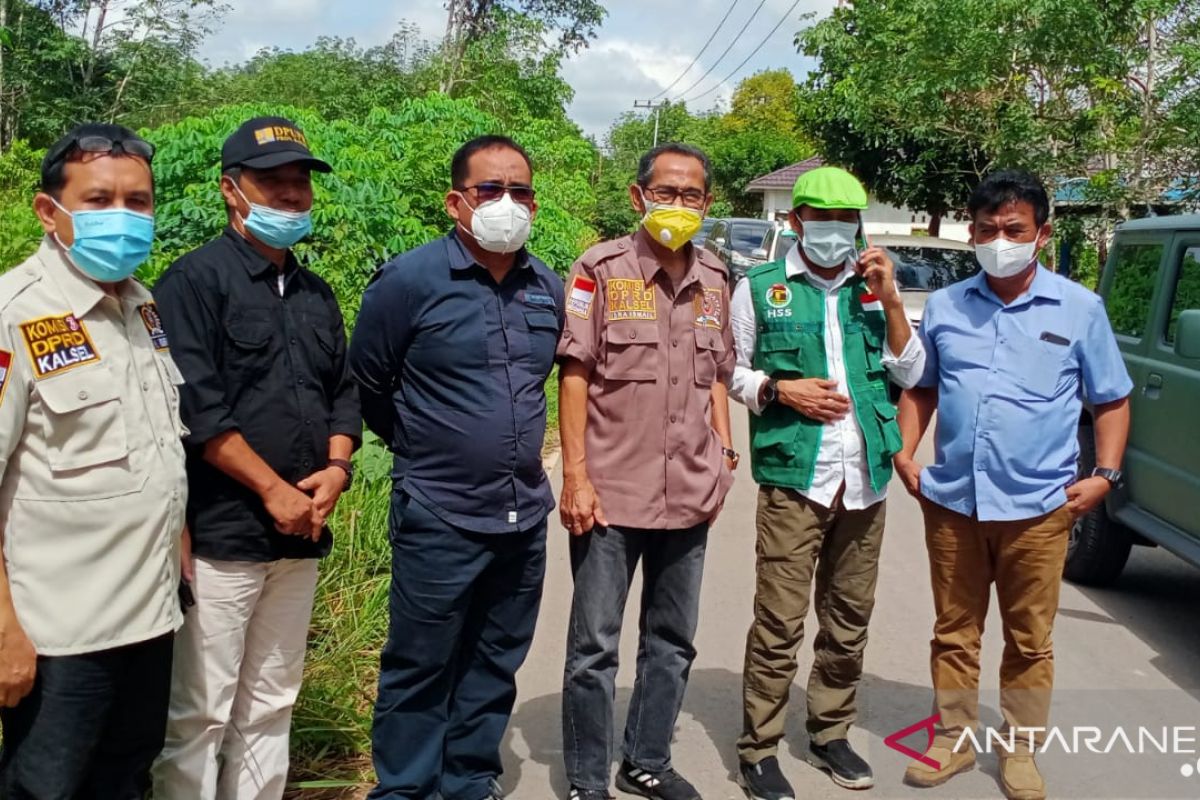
pixel 817 335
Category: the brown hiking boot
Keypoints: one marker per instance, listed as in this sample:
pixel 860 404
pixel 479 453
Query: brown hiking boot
pixel 1019 777
pixel 951 763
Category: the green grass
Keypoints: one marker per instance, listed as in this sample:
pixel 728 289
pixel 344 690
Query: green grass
pixel 331 727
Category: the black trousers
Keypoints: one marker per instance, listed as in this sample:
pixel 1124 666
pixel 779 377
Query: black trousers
pixel 91 727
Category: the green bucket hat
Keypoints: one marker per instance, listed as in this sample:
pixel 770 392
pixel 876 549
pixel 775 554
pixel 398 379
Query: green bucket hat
pixel 829 187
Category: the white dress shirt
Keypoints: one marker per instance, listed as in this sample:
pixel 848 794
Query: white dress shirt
pixel 840 459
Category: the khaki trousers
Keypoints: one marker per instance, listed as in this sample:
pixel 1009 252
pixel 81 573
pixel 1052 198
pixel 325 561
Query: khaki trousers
pixel 1025 560
pixel 239 660
pixel 797 538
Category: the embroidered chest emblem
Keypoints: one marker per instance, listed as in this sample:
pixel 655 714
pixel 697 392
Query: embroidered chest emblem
pixel 56 344
pixel 708 308
pixel 630 298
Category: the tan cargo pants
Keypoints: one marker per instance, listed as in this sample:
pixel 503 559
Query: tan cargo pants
pixel 797 538
pixel 1025 561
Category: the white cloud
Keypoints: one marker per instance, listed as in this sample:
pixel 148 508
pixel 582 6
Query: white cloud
pixel 641 48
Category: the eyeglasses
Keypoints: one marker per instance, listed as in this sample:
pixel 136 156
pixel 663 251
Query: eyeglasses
pixel 488 191
pixel 102 144
pixel 667 195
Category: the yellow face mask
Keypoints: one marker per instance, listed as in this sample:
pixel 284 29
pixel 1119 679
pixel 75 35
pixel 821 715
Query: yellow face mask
pixel 671 226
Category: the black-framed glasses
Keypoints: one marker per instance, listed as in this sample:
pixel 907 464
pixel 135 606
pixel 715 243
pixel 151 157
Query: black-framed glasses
pixel 667 195
pixel 490 190
pixel 102 144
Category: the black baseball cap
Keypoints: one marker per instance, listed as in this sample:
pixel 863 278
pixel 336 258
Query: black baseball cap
pixel 268 142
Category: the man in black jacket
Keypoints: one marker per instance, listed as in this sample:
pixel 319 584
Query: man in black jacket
pixel 273 419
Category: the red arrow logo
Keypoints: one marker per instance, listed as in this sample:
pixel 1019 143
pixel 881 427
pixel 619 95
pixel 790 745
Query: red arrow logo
pixel 927 725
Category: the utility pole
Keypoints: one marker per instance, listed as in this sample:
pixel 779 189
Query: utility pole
pixel 657 108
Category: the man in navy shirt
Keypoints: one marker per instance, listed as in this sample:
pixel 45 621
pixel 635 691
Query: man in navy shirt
pixel 452 349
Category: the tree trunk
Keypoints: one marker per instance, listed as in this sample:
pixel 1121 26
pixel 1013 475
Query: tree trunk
pixel 97 36
pixel 935 225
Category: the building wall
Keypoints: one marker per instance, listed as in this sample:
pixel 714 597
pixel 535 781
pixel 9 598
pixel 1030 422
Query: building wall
pixel 879 218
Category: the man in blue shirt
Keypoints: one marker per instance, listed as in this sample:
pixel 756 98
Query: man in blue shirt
pixel 452 349
pixel 1012 354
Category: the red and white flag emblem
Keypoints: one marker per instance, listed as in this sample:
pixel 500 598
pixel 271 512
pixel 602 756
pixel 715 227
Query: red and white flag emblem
pixel 871 303
pixel 580 297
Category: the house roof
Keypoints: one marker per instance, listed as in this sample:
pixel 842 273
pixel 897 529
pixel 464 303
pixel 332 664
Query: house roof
pixel 784 178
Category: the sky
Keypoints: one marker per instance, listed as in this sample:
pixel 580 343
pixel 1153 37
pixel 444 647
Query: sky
pixel 641 48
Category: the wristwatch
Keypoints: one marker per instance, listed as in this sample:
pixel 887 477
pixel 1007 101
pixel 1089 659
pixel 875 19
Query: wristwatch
pixel 732 455
pixel 770 392
pixel 1113 476
pixel 346 467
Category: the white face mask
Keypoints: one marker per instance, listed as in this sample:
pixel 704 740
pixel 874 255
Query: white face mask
pixel 1001 258
pixel 500 226
pixel 829 244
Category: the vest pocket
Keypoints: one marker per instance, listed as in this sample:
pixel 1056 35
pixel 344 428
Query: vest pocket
pixel 873 352
pixel 774 445
pixel 781 354
pixel 889 428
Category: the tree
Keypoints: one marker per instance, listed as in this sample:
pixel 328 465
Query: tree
pixel 469 21
pixel 1062 87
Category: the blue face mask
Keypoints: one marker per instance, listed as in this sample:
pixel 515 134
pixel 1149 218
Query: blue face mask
pixel 275 228
pixel 110 244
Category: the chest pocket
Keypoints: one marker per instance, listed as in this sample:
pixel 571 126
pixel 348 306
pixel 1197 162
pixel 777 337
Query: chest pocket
pixel 631 351
pixel 87 445
pixel 710 351
pixel 1040 369
pixel 248 339
pixel 542 331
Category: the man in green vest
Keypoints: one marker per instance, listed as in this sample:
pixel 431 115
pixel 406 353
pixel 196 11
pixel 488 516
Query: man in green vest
pixel 817 334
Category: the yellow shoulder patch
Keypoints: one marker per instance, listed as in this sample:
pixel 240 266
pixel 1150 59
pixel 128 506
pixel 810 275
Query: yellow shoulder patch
pixel 57 344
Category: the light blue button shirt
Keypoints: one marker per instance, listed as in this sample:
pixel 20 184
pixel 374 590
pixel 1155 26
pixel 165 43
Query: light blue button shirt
pixel 1011 383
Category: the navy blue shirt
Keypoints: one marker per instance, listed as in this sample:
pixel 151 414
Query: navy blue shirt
pixel 452 369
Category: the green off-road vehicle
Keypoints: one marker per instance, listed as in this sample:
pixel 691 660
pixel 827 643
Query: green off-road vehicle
pixel 1151 288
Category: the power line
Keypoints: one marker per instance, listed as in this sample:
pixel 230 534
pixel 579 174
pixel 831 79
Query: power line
pixel 721 58
pixel 745 61
pixel 716 30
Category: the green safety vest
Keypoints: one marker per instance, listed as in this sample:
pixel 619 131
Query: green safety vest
pixel 790 343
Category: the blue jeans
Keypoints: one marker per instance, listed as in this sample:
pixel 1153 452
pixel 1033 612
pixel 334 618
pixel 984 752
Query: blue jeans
pixel 602 563
pixel 462 610
pixel 91 727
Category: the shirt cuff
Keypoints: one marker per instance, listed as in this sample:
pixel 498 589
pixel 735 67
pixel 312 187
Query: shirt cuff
pixel 571 348
pixel 203 428
pixel 907 368
pixel 747 387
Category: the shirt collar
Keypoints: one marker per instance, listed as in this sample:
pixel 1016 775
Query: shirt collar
pixel 650 266
pixel 461 258
pixel 1043 286
pixel 255 262
pixel 82 293
pixel 795 266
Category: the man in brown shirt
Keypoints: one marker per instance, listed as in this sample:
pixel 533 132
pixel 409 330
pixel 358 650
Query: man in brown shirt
pixel 646 356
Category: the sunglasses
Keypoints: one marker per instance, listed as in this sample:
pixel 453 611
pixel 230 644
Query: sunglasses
pixel 488 191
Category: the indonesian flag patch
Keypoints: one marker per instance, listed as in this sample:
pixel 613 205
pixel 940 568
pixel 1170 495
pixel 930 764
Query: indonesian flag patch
pixel 5 367
pixel 580 296
pixel 871 303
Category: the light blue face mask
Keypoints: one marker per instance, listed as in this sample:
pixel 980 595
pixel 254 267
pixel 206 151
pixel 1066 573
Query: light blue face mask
pixel 275 228
pixel 110 244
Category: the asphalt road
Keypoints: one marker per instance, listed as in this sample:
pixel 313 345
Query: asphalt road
pixel 1128 660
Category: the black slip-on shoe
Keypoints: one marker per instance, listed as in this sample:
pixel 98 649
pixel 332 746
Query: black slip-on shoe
pixel 845 766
